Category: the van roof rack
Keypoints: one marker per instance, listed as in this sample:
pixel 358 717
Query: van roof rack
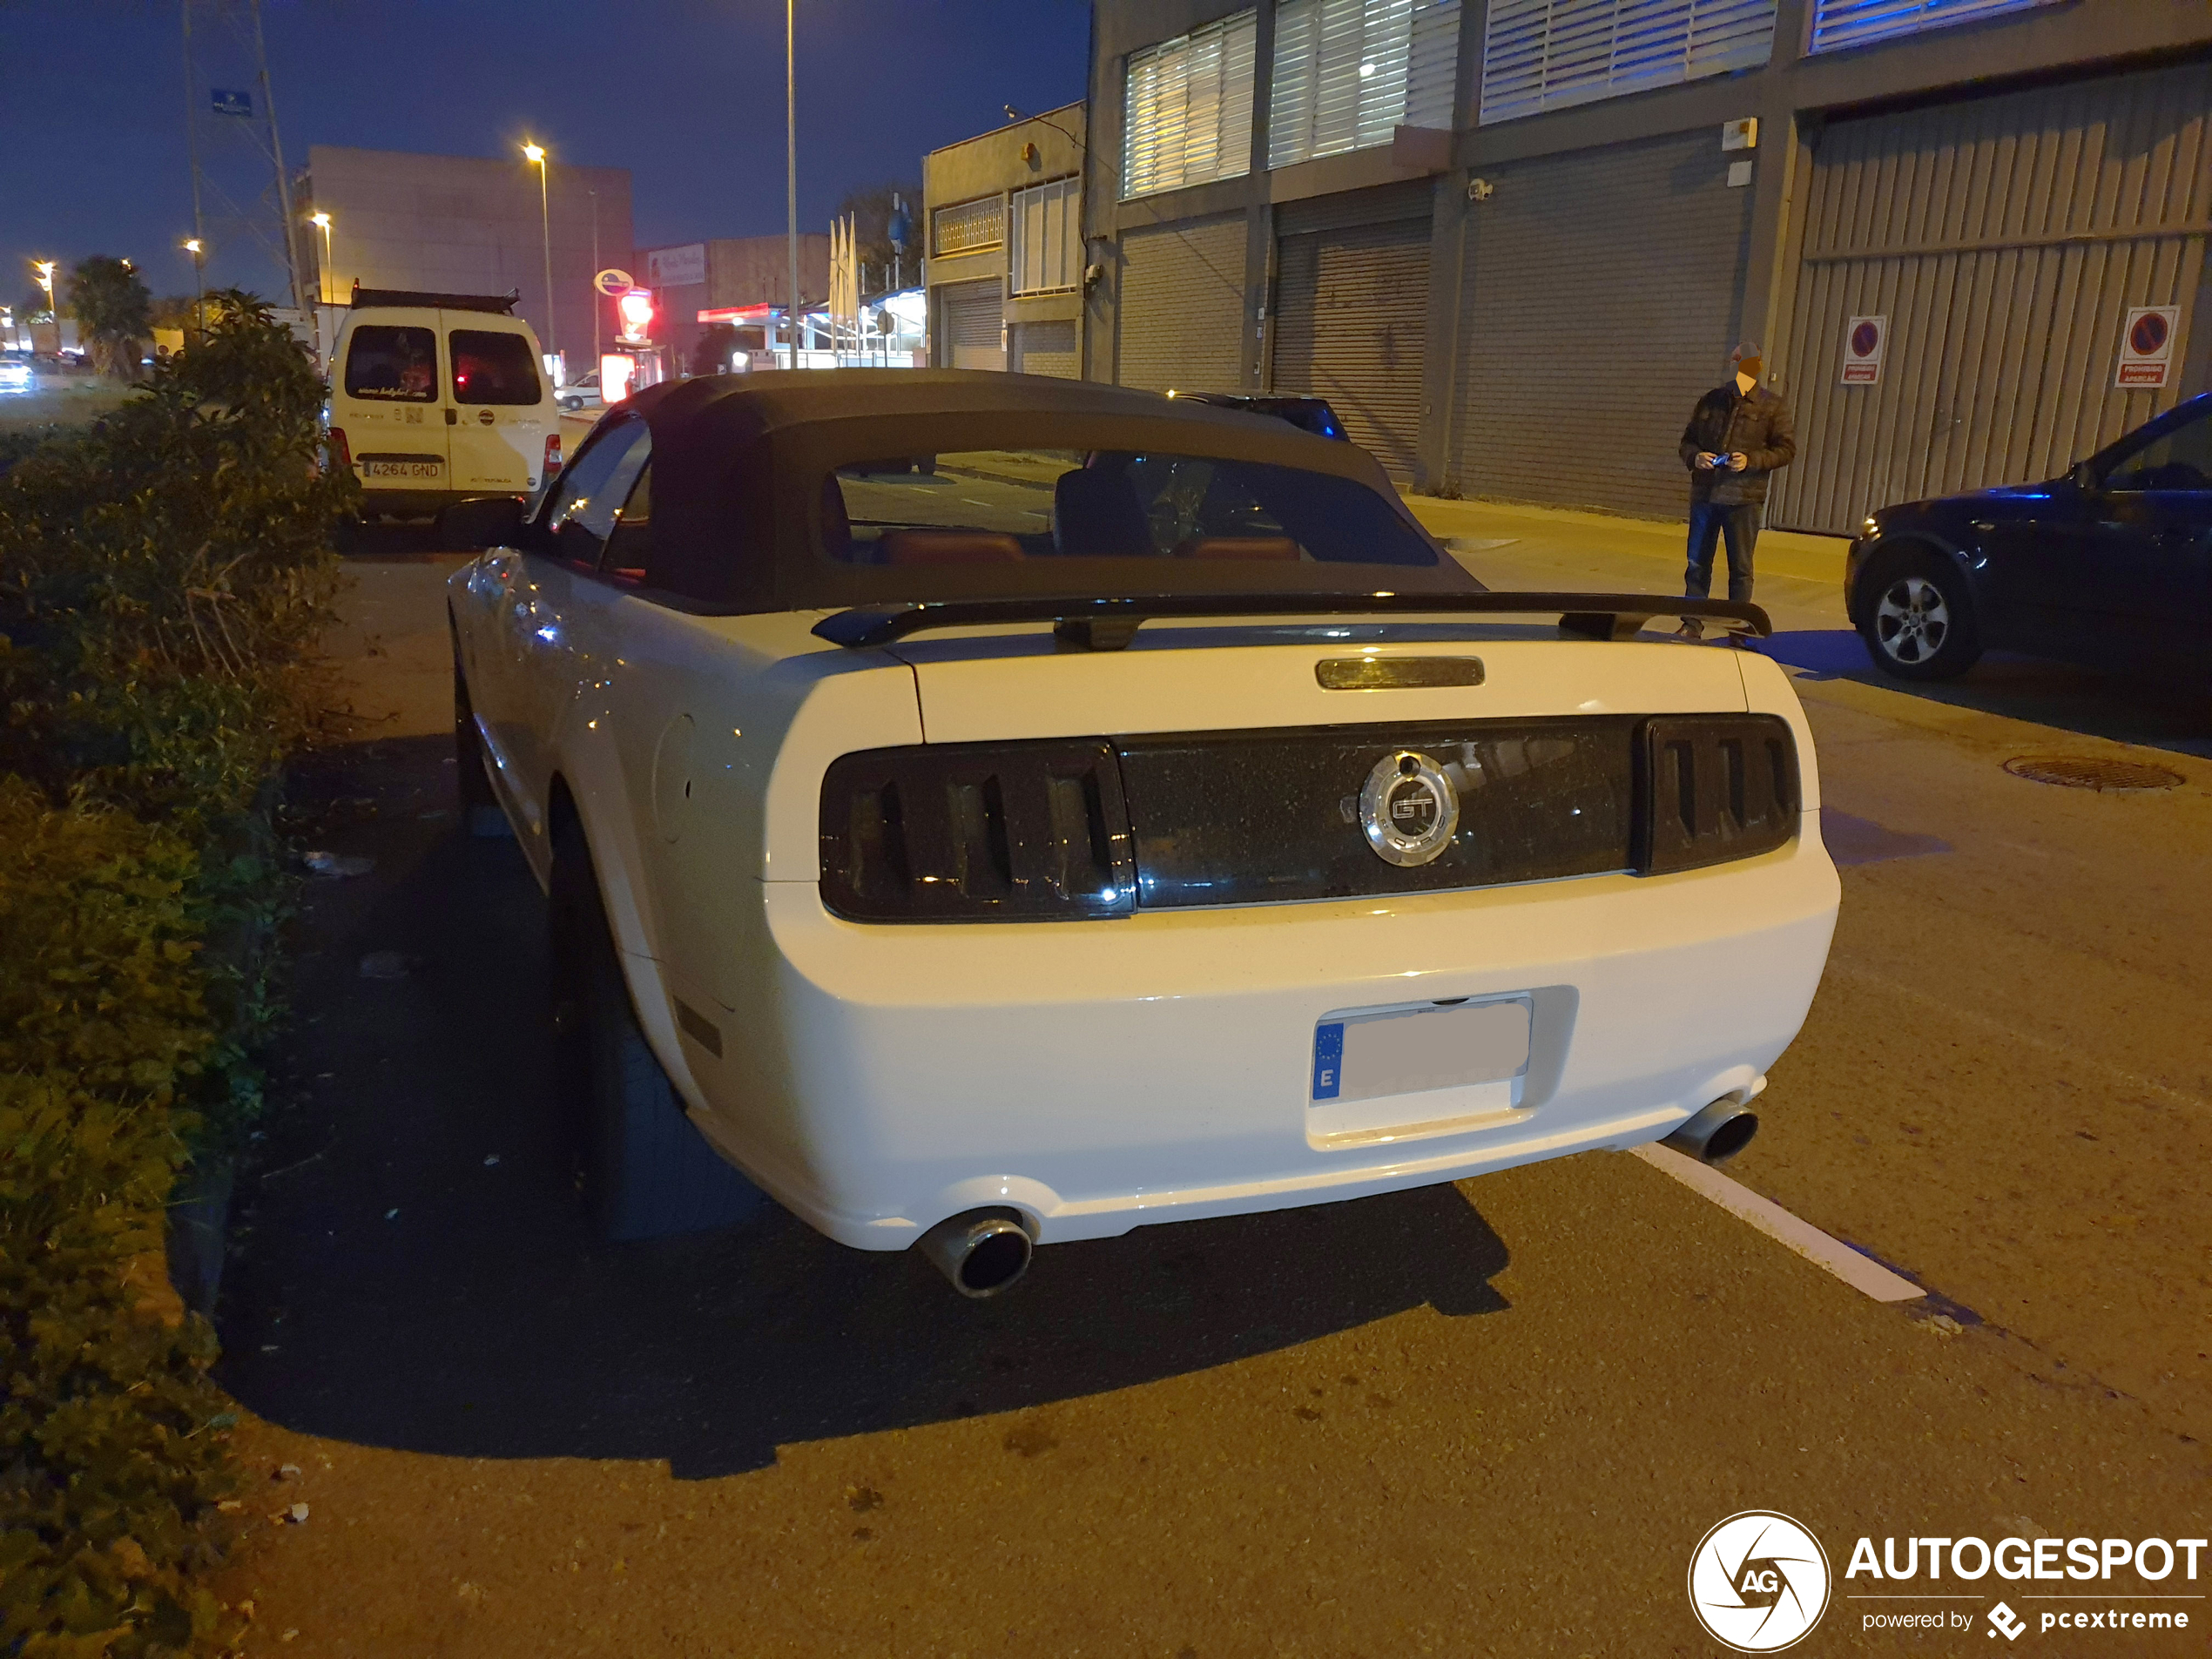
pixel 502 304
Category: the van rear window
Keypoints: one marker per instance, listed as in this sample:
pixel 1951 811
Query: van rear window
pixel 390 364
pixel 489 367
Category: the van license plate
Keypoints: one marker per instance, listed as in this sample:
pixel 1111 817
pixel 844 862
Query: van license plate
pixel 427 471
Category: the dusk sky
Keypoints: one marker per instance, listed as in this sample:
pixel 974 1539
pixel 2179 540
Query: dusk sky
pixel 687 94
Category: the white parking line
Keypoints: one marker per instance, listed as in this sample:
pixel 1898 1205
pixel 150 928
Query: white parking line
pixel 1861 1272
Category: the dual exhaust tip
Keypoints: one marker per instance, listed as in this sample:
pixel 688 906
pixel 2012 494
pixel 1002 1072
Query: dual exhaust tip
pixel 1717 1133
pixel 984 1253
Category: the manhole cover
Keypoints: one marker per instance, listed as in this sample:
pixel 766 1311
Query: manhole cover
pixel 2084 772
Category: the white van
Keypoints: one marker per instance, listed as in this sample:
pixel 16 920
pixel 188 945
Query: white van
pixel 437 397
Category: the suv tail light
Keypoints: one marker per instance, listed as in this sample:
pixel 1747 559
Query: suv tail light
pixel 552 457
pixel 340 452
pixel 1030 832
pixel 1713 787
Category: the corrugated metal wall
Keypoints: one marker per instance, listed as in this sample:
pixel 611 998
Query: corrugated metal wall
pixel 974 323
pixel 2005 238
pixel 1181 311
pixel 1603 289
pixel 1352 325
pixel 1047 347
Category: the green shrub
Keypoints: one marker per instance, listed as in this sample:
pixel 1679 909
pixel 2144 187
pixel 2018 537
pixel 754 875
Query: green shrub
pixel 113 1446
pixel 165 578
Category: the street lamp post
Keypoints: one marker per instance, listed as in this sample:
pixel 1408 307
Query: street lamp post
pixel 791 170
pixel 45 269
pixel 535 154
pixel 198 249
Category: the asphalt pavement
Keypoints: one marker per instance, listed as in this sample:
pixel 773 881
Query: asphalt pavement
pixel 1494 1418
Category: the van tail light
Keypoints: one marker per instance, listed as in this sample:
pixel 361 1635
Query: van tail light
pixel 552 457
pixel 1014 832
pixel 340 452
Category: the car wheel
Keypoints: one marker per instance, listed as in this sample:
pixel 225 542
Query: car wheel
pixel 1917 619
pixel 644 1170
pixel 480 808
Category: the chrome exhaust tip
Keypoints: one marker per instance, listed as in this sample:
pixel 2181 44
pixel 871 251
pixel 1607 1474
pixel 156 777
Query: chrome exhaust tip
pixel 1716 1134
pixel 981 1251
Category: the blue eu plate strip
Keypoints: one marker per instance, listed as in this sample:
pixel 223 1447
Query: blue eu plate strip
pixel 1328 1060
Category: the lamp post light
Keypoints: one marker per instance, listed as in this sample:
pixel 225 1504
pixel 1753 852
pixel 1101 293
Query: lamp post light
pixel 198 249
pixel 535 154
pixel 322 222
pixel 45 269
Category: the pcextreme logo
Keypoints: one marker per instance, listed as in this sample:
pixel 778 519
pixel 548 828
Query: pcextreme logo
pixel 1759 1582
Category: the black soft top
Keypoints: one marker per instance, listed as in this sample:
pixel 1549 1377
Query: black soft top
pixel 737 458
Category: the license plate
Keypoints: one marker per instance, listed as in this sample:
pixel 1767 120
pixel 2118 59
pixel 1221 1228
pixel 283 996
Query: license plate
pixel 428 471
pixel 1378 1054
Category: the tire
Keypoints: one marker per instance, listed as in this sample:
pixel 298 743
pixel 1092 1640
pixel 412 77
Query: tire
pixel 480 808
pixel 642 1170
pixel 1916 618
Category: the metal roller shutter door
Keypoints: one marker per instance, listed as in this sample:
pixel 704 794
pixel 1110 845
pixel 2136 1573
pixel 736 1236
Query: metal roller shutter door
pixel 1352 325
pixel 1182 305
pixel 1603 290
pixel 2005 238
pixel 1046 348
pixel 974 323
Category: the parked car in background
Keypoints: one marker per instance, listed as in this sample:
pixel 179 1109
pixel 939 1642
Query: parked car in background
pixel 581 393
pixel 17 373
pixel 1307 414
pixel 438 397
pixel 2110 565
pixel 1135 817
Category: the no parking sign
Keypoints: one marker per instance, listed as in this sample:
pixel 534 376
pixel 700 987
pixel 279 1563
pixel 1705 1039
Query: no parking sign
pixel 2147 346
pixel 1865 340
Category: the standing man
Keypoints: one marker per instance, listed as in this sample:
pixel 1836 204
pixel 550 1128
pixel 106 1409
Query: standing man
pixel 1737 435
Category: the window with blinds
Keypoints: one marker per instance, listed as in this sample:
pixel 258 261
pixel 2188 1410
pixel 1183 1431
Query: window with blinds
pixel 1541 55
pixel 965 226
pixel 1348 71
pixel 1187 117
pixel 1838 24
pixel 1044 247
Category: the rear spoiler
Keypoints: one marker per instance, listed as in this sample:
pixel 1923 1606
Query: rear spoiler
pixel 500 304
pixel 1110 624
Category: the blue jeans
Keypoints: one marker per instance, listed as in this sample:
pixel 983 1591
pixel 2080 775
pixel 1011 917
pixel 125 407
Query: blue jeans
pixel 1710 521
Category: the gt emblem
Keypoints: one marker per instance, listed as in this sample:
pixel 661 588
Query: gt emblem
pixel 1408 809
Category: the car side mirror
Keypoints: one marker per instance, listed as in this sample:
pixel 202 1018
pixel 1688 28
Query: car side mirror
pixel 487 521
pixel 2082 475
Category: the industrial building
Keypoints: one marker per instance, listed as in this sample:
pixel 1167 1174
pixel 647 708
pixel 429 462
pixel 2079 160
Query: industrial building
pixel 1004 213
pixel 470 224
pixel 1512 240
pixel 729 274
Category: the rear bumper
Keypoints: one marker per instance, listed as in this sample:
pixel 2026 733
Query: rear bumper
pixel 1101 1076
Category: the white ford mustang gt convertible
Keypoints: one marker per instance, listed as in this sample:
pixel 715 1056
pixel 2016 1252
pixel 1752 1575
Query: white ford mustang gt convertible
pixel 990 811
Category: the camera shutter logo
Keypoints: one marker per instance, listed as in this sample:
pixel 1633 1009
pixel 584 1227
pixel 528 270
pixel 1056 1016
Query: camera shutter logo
pixel 1759 1582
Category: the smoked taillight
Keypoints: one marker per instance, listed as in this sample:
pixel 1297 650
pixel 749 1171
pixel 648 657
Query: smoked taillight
pixel 341 454
pixel 1014 831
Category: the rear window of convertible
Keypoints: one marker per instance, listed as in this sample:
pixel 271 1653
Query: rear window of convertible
pixel 1043 516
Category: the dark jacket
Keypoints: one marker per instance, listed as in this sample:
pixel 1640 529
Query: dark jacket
pixel 1727 422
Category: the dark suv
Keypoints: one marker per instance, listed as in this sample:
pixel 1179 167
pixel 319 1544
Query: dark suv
pixel 2110 565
